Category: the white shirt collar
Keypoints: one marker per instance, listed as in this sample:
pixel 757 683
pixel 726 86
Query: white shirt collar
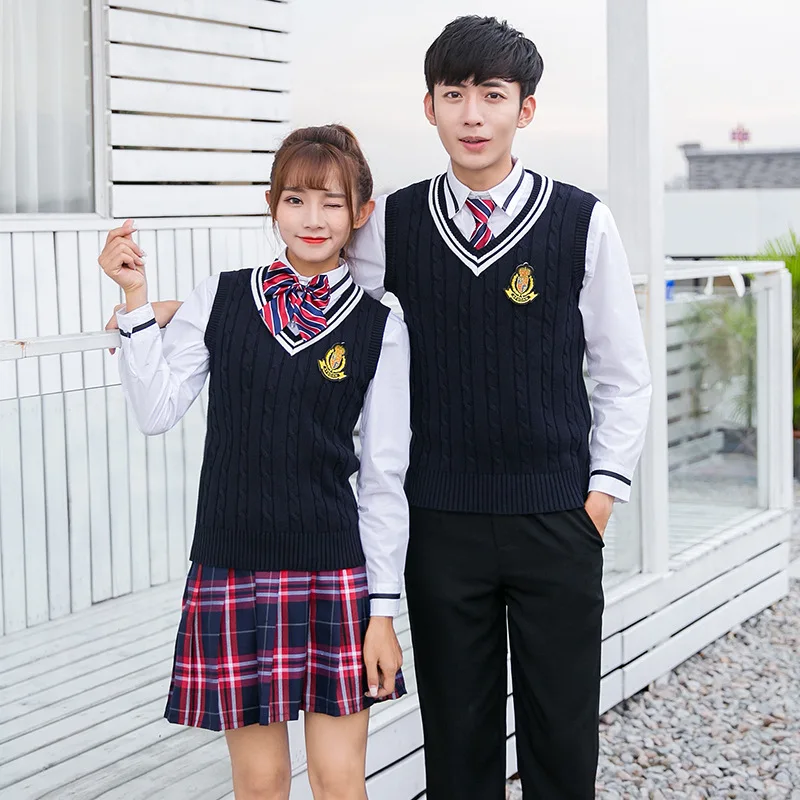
pixel 334 276
pixel 500 194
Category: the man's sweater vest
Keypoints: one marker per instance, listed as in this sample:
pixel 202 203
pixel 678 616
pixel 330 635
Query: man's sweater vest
pixel 275 490
pixel 500 413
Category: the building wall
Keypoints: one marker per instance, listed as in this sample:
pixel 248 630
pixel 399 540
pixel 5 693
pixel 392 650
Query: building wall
pixel 746 169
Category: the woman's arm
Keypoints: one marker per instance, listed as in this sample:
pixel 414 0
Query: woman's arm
pixel 161 377
pixel 385 438
pixel 163 310
pixel 382 505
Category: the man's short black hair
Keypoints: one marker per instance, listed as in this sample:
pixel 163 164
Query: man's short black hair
pixel 480 49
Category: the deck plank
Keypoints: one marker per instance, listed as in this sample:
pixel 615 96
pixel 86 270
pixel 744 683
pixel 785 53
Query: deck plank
pixel 76 668
pixel 52 741
pixel 122 608
pixel 136 753
pixel 82 697
pixel 28 720
pixel 48 689
pixel 45 658
pixel 188 776
pixel 65 755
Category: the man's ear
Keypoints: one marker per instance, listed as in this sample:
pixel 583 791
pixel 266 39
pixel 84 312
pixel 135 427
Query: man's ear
pixel 364 214
pixel 429 112
pixel 527 111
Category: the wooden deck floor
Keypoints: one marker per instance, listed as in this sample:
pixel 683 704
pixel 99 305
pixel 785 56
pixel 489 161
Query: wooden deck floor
pixel 81 705
pixel 81 701
pixel 82 698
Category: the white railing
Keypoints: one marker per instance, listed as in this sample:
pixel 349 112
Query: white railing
pixel 92 509
pixel 89 507
pixel 13 350
pixel 771 490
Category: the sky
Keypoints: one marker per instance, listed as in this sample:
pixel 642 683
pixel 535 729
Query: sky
pixel 721 63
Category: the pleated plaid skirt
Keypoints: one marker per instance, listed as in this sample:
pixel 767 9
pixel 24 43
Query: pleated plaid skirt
pixel 259 647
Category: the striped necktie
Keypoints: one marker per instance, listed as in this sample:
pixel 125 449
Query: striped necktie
pixel 481 208
pixel 287 300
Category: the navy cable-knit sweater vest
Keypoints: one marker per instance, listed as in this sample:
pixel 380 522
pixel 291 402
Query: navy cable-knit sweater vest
pixel 274 490
pixel 500 413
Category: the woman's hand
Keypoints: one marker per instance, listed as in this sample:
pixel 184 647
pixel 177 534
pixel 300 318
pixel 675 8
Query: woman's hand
pixel 382 657
pixel 123 261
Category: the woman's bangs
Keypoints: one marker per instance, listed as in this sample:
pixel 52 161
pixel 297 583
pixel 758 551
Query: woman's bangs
pixel 315 168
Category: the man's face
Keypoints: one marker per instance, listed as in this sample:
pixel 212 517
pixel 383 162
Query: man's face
pixel 477 124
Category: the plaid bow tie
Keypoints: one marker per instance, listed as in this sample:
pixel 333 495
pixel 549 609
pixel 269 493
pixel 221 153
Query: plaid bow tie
pixel 481 209
pixel 287 300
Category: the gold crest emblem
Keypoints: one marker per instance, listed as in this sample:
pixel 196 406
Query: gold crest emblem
pixel 332 366
pixel 520 289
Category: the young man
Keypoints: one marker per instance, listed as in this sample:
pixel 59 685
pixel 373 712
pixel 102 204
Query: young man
pixel 506 279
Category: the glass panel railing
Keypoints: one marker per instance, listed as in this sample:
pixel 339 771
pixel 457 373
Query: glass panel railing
pixel 712 419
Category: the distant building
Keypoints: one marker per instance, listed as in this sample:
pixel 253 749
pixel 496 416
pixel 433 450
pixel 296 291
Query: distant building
pixel 741 169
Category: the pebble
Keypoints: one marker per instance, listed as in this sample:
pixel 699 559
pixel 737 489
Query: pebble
pixel 725 724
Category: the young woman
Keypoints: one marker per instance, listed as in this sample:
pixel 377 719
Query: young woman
pixel 293 582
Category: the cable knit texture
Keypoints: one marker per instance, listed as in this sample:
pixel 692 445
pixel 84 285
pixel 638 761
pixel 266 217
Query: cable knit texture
pixel 275 489
pixel 500 413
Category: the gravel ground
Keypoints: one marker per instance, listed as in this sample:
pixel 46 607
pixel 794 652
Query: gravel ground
pixel 724 724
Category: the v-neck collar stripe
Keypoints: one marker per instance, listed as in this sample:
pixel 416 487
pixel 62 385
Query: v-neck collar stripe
pixel 292 346
pixel 478 262
pixel 453 197
pixel 514 191
pixel 331 313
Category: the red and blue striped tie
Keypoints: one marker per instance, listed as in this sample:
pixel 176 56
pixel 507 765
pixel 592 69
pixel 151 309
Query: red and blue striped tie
pixel 287 300
pixel 481 208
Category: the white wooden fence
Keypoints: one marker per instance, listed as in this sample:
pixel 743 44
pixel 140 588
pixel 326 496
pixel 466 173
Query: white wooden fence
pixel 194 92
pixel 89 508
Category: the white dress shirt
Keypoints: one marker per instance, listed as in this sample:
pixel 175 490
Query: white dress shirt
pixel 615 349
pixel 161 377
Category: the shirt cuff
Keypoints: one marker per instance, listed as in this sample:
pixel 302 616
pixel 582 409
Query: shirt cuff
pixel 137 320
pixel 384 605
pixel 611 481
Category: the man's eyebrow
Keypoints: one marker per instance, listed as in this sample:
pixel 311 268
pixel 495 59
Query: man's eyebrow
pixel 495 83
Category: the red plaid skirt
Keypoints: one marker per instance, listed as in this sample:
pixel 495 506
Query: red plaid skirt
pixel 259 647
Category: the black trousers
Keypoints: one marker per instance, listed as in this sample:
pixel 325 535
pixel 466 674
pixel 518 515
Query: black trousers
pixel 465 575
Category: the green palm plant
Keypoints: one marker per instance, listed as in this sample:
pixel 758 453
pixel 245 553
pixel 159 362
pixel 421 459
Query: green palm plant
pixel 724 329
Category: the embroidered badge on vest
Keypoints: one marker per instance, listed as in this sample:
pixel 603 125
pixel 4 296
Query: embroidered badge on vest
pixel 520 289
pixel 332 366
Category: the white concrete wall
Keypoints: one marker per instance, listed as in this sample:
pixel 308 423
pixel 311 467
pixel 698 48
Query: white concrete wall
pixel 727 222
